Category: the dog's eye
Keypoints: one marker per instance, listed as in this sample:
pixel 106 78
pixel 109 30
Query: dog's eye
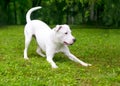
pixel 66 33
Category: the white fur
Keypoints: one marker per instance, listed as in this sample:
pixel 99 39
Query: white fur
pixel 49 41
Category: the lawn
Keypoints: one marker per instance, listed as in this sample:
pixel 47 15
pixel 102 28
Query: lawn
pixel 98 46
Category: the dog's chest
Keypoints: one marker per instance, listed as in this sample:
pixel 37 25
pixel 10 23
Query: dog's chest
pixel 59 48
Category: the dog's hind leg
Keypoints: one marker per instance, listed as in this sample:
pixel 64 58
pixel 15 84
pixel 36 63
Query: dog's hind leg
pixel 28 39
pixel 39 52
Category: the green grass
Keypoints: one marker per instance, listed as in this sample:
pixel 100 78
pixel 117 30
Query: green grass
pixel 98 46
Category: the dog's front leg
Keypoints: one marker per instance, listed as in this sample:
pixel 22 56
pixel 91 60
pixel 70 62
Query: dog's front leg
pixel 50 59
pixel 74 58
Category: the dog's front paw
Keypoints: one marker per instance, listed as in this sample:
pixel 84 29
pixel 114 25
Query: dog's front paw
pixel 86 65
pixel 89 64
pixel 54 66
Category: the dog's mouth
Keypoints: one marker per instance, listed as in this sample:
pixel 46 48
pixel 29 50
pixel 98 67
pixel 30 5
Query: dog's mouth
pixel 67 43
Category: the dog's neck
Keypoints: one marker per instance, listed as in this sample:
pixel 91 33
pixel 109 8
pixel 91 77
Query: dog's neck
pixel 55 39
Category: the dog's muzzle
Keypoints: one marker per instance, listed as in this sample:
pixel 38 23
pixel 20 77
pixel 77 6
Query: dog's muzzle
pixel 74 40
pixel 66 43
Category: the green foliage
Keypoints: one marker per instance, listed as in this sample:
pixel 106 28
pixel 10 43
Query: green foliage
pixel 14 11
pixel 97 46
pixel 111 12
pixel 105 12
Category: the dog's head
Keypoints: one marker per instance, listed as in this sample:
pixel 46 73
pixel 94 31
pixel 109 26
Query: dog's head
pixel 63 34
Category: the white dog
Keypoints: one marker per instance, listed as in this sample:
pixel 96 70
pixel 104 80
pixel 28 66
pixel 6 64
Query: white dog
pixel 49 41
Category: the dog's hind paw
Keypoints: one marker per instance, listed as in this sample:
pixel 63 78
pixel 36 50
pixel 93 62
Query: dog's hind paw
pixel 26 58
pixel 40 53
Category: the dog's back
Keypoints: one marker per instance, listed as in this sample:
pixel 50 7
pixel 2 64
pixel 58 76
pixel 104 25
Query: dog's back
pixel 32 25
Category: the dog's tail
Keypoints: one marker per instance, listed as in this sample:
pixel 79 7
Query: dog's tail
pixel 30 11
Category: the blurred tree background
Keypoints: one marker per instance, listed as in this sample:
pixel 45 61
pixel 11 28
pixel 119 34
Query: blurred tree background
pixel 76 12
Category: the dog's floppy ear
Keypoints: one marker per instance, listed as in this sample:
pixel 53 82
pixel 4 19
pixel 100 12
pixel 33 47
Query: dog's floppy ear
pixel 57 28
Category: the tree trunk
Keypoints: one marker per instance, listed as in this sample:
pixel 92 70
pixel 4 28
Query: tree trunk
pixel 15 13
pixel 83 15
pixel 92 11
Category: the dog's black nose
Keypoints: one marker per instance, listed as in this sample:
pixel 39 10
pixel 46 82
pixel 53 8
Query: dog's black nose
pixel 74 40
